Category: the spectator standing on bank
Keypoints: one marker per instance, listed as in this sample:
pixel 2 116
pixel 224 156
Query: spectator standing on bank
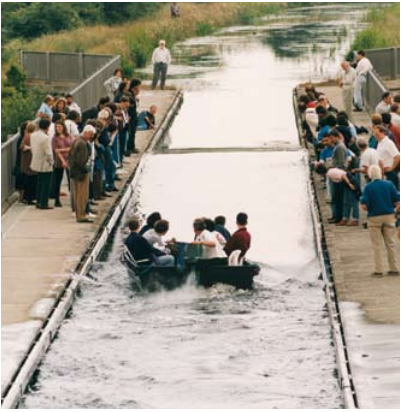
pixel 45 109
pixel 71 104
pixel 161 59
pixel 29 177
pixel 134 90
pixel 346 82
pixel 175 12
pixel 385 105
pixel 389 156
pixel 42 163
pixel 112 84
pixel 80 159
pixel 362 69
pixel 380 198
pixel 61 144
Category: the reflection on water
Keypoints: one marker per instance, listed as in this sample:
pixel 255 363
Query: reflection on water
pixel 241 80
pixel 197 348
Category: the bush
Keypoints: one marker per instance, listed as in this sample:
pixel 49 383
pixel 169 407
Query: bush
pixel 16 78
pixel 204 29
pixel 17 108
pixel 127 67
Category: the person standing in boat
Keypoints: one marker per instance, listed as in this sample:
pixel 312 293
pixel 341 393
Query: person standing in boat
pixel 241 239
pixel 141 249
pixel 206 239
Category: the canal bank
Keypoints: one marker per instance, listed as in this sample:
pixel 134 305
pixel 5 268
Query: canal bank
pixel 370 307
pixel 45 253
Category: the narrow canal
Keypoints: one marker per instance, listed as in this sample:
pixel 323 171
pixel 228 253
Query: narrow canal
pixel 218 348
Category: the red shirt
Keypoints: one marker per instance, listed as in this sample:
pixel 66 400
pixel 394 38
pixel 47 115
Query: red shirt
pixel 240 240
pixel 396 133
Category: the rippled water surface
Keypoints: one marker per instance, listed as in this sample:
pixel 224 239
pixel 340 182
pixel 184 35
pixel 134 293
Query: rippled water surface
pixel 218 348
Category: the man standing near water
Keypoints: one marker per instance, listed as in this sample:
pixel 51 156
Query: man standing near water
pixel 346 82
pixel 362 68
pixel 161 59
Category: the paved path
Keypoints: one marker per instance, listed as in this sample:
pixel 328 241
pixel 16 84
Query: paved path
pixel 40 248
pixel 371 306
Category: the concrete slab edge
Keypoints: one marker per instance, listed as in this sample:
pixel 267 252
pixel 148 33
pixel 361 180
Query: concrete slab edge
pixel 15 390
pixel 344 368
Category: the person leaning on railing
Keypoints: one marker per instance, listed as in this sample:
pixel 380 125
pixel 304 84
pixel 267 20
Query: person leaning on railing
pixel 45 109
pixel 362 69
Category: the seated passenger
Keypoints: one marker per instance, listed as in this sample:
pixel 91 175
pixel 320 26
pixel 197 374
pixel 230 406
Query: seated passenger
pixel 150 221
pixel 146 119
pixel 221 241
pixel 141 249
pixel 206 239
pixel 241 239
pixel 220 222
pixel 154 236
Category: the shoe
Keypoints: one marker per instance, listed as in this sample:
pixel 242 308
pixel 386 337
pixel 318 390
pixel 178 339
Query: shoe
pixel 31 203
pixel 115 189
pixel 365 225
pixel 106 195
pixel 118 179
pixel 62 194
pixel 94 212
pixel 58 204
pixel 353 223
pixel 84 221
pixel 357 109
pixel 377 274
pixel 342 223
pixel 393 273
pixel 334 222
pixel 92 203
pixel 135 151
pixel 127 154
pixel 90 216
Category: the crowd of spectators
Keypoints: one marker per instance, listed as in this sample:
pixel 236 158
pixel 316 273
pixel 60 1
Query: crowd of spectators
pixel 349 156
pixel 85 147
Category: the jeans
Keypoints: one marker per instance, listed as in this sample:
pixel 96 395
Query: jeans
pixel 159 71
pixel 122 143
pixel 109 167
pixel 165 261
pixel 337 194
pixel 351 203
pixel 358 91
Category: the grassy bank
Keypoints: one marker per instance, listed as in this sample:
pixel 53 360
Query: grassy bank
pixel 135 41
pixel 383 29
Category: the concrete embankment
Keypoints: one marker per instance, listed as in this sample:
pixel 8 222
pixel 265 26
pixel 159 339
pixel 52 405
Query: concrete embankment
pixel 370 307
pixel 42 251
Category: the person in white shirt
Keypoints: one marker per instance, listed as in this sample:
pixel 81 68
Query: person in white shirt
pixel 389 156
pixel 312 120
pixel 155 236
pixel 385 105
pixel 369 157
pixel 346 82
pixel 71 104
pixel 112 84
pixel 72 123
pixel 395 114
pixel 362 69
pixel 206 239
pixel 161 58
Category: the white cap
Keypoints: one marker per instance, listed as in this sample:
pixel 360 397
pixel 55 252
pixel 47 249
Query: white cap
pixel 89 128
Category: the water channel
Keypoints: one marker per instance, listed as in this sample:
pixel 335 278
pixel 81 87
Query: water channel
pixel 218 348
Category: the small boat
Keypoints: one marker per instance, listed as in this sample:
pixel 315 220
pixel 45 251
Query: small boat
pixel 212 271
pixel 208 272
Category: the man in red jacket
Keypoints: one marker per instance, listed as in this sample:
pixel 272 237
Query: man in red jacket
pixel 241 239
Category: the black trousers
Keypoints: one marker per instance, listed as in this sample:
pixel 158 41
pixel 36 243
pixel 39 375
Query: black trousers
pixel 337 199
pixel 43 187
pixel 30 187
pixel 58 174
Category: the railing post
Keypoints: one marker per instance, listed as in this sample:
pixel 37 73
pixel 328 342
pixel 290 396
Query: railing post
pixel 48 70
pixel 81 73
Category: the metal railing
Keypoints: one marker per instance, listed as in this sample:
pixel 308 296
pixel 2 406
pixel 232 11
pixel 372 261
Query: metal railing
pixel 86 95
pixel 56 67
pixel 373 91
pixel 386 62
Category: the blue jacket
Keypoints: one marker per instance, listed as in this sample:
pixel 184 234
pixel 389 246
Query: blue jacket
pixel 380 196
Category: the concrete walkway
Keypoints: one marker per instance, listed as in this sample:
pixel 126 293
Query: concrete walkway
pixel 370 306
pixel 41 248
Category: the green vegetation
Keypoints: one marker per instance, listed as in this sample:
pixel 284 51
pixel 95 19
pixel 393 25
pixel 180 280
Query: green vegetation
pixel 34 19
pixel 18 102
pixel 383 29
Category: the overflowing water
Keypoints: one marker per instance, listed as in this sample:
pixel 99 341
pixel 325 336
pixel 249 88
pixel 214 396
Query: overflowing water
pixel 217 348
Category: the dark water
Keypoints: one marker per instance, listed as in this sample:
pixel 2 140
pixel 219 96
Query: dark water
pixel 218 348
